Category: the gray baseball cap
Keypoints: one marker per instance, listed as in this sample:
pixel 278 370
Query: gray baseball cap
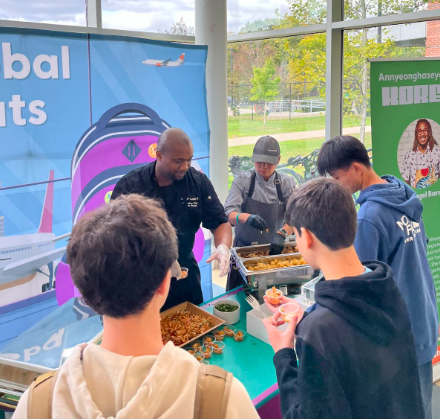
pixel 266 150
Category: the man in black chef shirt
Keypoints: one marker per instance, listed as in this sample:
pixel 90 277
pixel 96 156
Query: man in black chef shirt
pixel 189 199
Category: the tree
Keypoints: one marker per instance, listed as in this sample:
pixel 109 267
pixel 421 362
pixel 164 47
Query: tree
pixel 359 47
pixel 244 56
pixel 301 60
pixel 307 62
pixel 358 9
pixel 265 85
pixel 262 25
pixel 305 12
pixel 307 58
pixel 179 28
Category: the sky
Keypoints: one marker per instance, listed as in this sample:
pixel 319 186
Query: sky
pixel 137 15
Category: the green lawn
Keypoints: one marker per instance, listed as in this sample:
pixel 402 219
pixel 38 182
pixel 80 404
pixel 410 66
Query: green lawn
pixel 243 126
pixel 288 149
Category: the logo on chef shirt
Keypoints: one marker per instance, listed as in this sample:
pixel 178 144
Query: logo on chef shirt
pixel 411 228
pixel 152 150
pixel 192 202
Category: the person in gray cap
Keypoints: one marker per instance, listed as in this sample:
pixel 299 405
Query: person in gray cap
pixel 257 200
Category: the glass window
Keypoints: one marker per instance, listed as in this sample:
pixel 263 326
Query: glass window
pixel 361 9
pixel 246 16
pixel 421 39
pixel 66 12
pixel 277 87
pixel 175 17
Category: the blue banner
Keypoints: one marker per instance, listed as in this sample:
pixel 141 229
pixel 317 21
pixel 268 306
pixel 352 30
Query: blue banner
pixel 77 112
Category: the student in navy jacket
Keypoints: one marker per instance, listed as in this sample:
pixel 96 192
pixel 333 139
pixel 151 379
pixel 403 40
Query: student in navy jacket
pixel 390 229
pixel 355 356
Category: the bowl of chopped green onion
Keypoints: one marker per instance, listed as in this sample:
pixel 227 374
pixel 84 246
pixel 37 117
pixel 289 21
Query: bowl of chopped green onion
pixel 228 310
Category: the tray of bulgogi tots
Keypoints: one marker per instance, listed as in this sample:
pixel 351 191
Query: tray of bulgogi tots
pixel 260 251
pixel 275 269
pixel 186 323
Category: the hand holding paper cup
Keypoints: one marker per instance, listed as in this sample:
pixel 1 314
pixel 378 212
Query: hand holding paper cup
pixel 288 311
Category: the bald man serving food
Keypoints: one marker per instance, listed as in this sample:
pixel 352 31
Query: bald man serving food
pixel 189 200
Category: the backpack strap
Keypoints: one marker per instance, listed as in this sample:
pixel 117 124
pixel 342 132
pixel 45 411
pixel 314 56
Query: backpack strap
pixel 39 405
pixel 212 392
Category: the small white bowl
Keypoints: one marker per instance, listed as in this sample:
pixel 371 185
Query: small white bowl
pixel 230 317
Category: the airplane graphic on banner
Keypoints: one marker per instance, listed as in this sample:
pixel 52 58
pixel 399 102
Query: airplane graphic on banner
pixel 23 256
pixel 166 63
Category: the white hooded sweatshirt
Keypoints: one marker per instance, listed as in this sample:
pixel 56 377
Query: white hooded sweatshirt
pixel 97 384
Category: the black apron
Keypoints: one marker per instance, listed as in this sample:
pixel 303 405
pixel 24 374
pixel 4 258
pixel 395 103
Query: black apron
pixel 273 214
pixel 189 288
pixel 246 235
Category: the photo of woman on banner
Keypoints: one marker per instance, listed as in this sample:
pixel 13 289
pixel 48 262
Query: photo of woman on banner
pixel 421 165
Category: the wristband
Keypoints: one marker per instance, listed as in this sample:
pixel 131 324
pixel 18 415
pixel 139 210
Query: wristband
pixel 282 232
pixel 236 218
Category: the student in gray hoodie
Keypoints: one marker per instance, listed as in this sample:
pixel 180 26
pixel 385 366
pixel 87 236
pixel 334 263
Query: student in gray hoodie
pixel 121 256
pixel 390 229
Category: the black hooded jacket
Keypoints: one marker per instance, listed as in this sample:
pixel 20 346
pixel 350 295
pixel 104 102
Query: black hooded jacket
pixel 356 354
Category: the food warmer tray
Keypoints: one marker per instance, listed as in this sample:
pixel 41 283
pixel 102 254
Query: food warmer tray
pixel 270 277
pixel 236 252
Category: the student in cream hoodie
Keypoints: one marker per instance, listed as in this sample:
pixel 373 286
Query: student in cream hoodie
pixel 120 258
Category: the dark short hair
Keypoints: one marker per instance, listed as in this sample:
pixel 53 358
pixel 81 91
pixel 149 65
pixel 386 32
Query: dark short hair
pixel 120 254
pixel 325 208
pixel 340 153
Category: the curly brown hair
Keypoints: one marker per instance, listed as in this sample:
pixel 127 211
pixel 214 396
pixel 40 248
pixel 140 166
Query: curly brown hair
pixel 120 254
pixel 431 140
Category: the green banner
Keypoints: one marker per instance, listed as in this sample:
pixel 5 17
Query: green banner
pixel 405 115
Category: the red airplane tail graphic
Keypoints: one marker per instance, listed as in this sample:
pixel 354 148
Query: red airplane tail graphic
pixel 47 214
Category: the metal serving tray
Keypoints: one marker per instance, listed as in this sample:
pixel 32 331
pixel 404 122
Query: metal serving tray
pixel 238 252
pixel 269 277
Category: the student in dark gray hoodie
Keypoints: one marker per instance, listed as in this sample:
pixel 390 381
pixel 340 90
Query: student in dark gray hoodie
pixel 355 356
pixel 390 229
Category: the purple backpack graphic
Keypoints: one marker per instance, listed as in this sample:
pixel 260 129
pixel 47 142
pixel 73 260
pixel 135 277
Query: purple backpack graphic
pixel 118 143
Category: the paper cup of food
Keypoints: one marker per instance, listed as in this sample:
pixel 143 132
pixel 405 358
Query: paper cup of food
pixel 209 340
pixel 274 296
pixel 206 351
pixel 239 335
pixel 196 345
pixel 200 356
pixel 218 347
pixel 229 331
pixel 227 310
pixel 219 335
pixel 288 311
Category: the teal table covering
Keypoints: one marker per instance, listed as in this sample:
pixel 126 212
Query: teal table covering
pixel 250 360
